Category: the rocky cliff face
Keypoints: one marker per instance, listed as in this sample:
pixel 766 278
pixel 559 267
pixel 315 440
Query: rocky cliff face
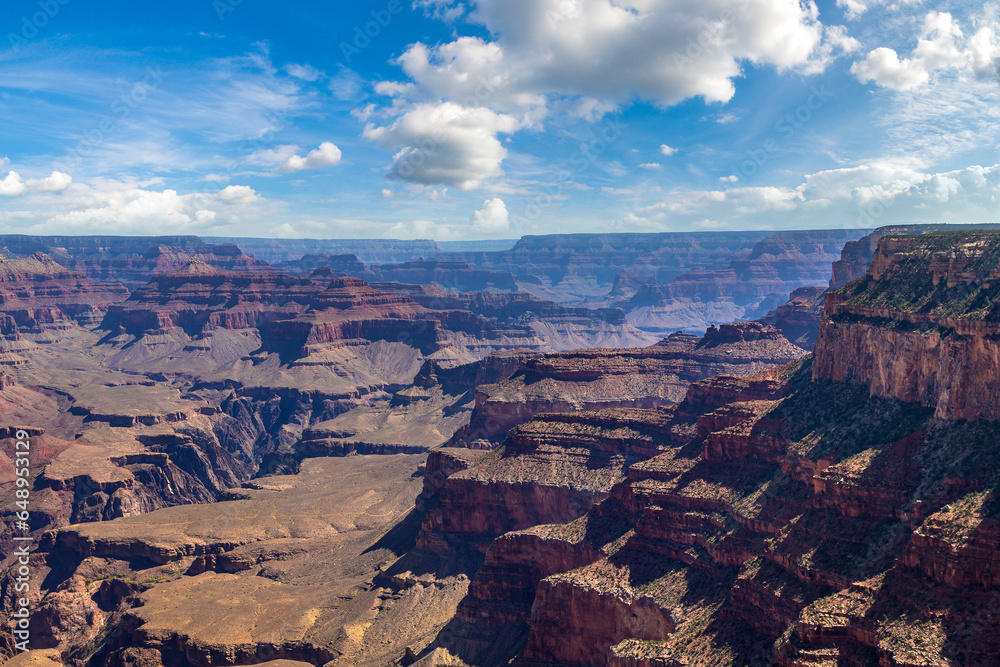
pixel 570 268
pixel 747 288
pixel 339 265
pixel 921 326
pixel 549 470
pixel 789 517
pixel 798 319
pixel 302 320
pixel 37 294
pixel 561 327
pixel 784 520
pixel 857 255
pixel 449 274
pixel 783 516
pixel 642 378
pixel 130 260
pixel 369 251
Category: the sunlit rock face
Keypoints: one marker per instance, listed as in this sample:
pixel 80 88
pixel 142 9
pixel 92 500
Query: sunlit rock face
pixel 922 325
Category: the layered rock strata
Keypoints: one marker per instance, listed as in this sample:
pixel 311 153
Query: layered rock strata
pixel 798 319
pixel 37 294
pixel 130 260
pixel 642 378
pixel 746 289
pixel 922 325
pixel 788 518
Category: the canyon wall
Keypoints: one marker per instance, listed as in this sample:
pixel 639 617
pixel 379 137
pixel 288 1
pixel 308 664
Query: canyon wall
pixel 922 325
pixel 641 378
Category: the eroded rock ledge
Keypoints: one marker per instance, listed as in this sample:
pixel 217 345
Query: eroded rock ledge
pixel 923 325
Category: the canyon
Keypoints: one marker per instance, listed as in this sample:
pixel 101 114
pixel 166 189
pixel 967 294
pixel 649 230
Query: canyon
pixel 404 453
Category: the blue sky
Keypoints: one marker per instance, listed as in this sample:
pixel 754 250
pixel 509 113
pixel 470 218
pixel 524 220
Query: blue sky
pixel 483 119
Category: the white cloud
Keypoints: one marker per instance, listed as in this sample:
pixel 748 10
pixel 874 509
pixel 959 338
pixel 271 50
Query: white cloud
pixel 445 144
pixel 667 150
pixel 238 194
pixel 583 58
pixel 867 195
pixel 55 182
pixel 347 85
pixel 854 9
pixel 984 52
pixel 601 49
pixel 651 165
pixel 732 178
pixel 492 218
pixel 884 68
pixel 272 157
pixel 443 10
pixel 304 72
pixel 836 42
pixel 327 154
pixel 13 185
pixel 127 207
pixel 941 48
pixel 286 157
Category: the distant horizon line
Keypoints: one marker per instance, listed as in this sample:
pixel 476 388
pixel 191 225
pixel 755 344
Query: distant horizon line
pixel 225 238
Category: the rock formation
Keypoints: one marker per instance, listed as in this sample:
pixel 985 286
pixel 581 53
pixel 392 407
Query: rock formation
pixel 748 288
pixel 561 327
pixel 38 294
pixel 235 472
pixel 798 319
pixel 450 274
pixel 640 378
pixel 857 255
pixel 789 518
pixel 922 325
pixel 130 260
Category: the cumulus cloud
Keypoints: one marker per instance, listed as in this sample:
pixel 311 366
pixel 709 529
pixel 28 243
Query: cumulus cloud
pixel 57 181
pixel 583 58
pixel 941 47
pixel 884 68
pixel 285 158
pixel 651 165
pixel 273 156
pixel 601 49
pixel 13 185
pixel 445 143
pixel 983 51
pixel 56 205
pixel 667 150
pixel 492 218
pixel 327 154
